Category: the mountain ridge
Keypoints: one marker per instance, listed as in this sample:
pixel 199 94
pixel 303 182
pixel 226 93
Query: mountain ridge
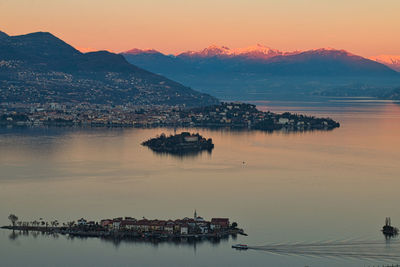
pixel 262 52
pixel 259 70
pixel 224 51
pixel 39 66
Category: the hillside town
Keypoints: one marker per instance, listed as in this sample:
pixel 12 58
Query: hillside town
pixel 195 227
pixel 231 115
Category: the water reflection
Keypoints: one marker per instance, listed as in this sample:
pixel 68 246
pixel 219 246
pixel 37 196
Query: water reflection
pixel 293 186
pixel 191 242
pixel 182 155
pixel 22 145
pixel 359 249
pixel 388 237
pixel 15 234
pixel 116 242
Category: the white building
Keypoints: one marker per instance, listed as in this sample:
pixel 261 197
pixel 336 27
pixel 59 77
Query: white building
pixel 116 224
pixel 203 229
pixel 283 120
pixel 184 230
pixel 191 138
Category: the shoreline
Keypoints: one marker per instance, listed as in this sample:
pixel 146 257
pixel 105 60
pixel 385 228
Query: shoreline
pixel 225 115
pixel 124 234
pixel 238 128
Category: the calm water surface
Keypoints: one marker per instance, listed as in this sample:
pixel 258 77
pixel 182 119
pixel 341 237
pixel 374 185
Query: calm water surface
pixel 309 187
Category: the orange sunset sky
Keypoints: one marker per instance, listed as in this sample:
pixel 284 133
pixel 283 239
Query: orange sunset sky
pixel 364 27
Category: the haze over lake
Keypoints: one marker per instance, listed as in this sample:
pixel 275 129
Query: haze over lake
pixel 280 187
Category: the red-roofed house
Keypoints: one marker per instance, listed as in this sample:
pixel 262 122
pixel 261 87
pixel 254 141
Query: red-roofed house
pixel 157 225
pixel 219 223
pixel 107 223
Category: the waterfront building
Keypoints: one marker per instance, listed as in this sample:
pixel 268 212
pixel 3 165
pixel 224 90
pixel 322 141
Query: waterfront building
pixel 128 225
pixel 219 223
pixel 106 223
pixel 169 227
pixel 184 229
pixel 283 120
pixel 143 225
pixel 117 223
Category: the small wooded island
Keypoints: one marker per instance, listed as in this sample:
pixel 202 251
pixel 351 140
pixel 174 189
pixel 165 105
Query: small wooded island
pixel 182 143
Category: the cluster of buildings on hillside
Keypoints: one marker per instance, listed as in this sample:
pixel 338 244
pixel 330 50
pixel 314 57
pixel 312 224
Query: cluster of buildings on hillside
pixel 234 115
pixel 84 114
pixel 180 227
pixel 39 83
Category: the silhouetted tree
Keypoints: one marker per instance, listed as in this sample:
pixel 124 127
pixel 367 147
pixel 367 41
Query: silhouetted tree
pixel 13 218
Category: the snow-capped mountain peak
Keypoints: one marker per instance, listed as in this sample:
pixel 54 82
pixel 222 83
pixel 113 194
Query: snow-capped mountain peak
pixel 392 61
pixel 211 51
pixel 255 51
pixel 214 50
pixel 136 51
pixel 258 48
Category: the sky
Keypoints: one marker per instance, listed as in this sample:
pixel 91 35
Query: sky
pixel 364 27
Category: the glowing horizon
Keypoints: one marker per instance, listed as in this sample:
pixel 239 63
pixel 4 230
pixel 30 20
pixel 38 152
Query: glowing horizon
pixel 367 28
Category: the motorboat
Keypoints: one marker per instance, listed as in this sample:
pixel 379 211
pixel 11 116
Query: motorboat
pixel 240 246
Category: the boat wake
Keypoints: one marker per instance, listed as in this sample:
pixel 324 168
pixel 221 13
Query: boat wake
pixel 361 249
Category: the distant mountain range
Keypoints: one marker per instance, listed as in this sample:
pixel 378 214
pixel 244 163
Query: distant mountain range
pixel 39 67
pixel 261 72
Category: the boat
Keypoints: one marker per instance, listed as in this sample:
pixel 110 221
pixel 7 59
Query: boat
pixel 388 229
pixel 240 246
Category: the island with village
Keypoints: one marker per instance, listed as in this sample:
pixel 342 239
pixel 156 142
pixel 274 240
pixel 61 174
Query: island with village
pixel 182 143
pixel 194 228
pixel 235 115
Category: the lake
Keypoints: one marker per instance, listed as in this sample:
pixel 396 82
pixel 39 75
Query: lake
pixel 282 188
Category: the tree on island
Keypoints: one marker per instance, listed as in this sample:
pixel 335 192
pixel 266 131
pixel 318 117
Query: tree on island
pixel 13 218
pixel 71 224
pixel 54 223
pixel 234 225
